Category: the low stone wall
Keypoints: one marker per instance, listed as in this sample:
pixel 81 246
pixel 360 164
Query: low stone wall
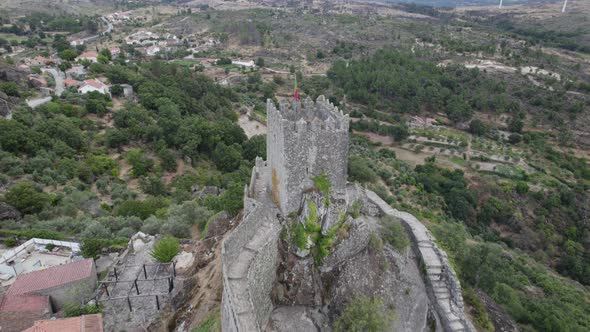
pixel 442 283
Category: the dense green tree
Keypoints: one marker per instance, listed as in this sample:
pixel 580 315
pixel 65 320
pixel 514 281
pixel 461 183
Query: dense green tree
pixel 255 147
pixel 116 90
pixel 227 157
pixel 477 127
pixel 68 54
pixel 140 164
pixel 27 198
pixel 359 170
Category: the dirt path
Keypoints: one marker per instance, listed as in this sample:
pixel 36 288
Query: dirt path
pixel 168 176
pixel 251 127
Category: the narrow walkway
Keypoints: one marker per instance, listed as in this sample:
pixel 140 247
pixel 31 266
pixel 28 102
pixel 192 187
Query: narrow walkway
pixel 262 224
pixel 445 287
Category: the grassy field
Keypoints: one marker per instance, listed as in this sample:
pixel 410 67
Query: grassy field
pixel 11 37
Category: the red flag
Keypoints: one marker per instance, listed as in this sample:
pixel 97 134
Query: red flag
pixel 296 89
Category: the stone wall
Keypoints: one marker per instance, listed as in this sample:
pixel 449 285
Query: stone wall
pixel 261 278
pixel 303 141
pixel 444 289
pixel 249 257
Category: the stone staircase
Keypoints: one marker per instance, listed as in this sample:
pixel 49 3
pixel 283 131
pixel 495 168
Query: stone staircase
pixel 444 287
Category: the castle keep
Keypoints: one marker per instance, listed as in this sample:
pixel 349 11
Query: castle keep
pixel 303 141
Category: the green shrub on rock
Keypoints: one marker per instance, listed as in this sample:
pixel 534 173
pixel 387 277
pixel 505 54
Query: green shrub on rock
pixel 364 314
pixel 165 249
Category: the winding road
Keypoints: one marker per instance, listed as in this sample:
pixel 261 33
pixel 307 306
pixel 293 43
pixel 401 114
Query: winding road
pixel 58 76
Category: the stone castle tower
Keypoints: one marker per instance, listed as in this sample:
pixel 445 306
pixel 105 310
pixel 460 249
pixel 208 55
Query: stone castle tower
pixel 303 141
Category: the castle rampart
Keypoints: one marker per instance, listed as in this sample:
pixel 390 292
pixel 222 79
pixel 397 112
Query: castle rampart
pixel 303 141
pixel 249 258
pixel 443 285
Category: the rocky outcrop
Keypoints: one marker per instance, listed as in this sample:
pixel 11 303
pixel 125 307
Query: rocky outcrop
pixel 499 317
pixel 8 211
pixel 217 225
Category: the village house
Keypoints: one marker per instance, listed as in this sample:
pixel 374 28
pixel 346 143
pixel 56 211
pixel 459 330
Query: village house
pixel 36 295
pixel 18 312
pixel 84 323
pixel 127 90
pixel 90 56
pixel 41 61
pixel 77 42
pixel 93 85
pixel 68 283
pixel 243 63
pixel 115 51
pixel 152 50
pixel 68 82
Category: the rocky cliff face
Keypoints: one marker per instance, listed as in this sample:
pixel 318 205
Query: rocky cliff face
pixel 311 293
pixel 10 73
pixel 8 212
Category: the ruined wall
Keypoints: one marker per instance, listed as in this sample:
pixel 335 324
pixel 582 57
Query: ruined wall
pixel 303 141
pixel 444 289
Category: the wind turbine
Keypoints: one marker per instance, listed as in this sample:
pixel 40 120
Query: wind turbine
pixel 564 5
pixel 500 6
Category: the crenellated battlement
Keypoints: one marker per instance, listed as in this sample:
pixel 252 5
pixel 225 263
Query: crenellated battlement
pixel 309 115
pixel 305 139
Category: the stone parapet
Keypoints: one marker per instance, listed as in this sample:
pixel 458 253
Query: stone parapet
pixel 249 257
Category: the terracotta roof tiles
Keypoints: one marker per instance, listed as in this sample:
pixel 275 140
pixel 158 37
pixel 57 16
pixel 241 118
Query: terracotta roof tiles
pixel 85 323
pixel 17 303
pixel 51 277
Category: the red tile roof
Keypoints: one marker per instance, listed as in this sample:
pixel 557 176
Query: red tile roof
pixel 18 312
pixel 70 82
pixel 42 58
pixel 95 83
pixel 88 55
pixel 85 323
pixel 51 277
pixel 16 303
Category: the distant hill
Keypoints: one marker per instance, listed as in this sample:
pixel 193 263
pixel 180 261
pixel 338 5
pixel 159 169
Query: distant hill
pixel 465 3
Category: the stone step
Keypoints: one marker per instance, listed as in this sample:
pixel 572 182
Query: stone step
pixel 445 304
pixel 438 284
pixel 457 326
pixel 424 244
pixel 440 290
